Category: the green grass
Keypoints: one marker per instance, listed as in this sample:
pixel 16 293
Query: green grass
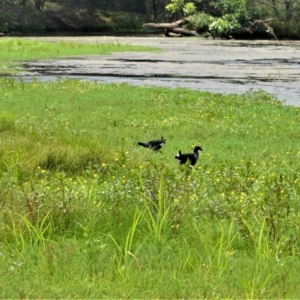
pixel 86 213
pixel 14 51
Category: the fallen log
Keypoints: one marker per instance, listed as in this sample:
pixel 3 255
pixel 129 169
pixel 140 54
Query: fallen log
pixel 181 31
pixel 178 23
pixel 173 29
pixel 257 29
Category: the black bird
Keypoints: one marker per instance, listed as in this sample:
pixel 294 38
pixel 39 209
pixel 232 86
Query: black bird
pixel 192 157
pixel 154 145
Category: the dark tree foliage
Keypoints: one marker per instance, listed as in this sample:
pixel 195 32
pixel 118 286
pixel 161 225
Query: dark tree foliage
pixel 220 15
pixel 159 9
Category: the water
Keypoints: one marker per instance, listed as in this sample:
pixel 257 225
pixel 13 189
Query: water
pixel 212 65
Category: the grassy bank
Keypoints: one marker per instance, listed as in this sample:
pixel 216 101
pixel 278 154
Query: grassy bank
pixel 14 51
pixel 86 213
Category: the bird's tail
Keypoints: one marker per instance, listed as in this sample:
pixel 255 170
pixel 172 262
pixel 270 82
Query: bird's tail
pixel 143 144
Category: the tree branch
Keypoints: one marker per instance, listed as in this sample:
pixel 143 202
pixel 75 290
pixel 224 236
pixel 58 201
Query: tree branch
pixel 178 23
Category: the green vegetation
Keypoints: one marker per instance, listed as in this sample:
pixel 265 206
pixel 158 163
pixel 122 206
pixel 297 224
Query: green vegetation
pixel 237 18
pixel 222 18
pixel 13 51
pixel 178 6
pixel 86 213
pixel 44 16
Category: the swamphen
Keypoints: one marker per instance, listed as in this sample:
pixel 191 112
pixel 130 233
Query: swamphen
pixel 192 157
pixel 154 145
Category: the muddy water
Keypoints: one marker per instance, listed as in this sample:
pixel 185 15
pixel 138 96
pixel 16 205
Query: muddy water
pixel 212 65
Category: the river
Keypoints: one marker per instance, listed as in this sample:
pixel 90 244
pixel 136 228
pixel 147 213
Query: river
pixel 222 66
